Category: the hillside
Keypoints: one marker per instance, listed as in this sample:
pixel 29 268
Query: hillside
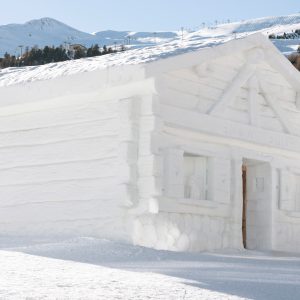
pixel 266 26
pixel 48 32
pixel 206 37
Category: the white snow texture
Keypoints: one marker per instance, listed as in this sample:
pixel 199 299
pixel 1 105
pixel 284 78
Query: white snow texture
pixel 98 269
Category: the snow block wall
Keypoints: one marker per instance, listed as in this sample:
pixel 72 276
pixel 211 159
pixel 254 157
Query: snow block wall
pixel 153 154
pixel 286 233
pixel 165 218
pixel 59 167
pixel 182 232
pixel 62 153
pixel 214 117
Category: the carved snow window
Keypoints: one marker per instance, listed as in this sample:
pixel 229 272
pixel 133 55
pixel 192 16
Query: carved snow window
pixel 195 177
pixel 289 191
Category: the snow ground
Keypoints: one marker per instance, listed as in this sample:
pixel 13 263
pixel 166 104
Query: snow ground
pixel 87 268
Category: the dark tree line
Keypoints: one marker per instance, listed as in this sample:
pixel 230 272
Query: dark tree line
pixel 286 35
pixel 37 56
pixel 294 58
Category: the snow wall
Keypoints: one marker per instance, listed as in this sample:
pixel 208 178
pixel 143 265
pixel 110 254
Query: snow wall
pixel 196 199
pixel 117 154
pixel 61 157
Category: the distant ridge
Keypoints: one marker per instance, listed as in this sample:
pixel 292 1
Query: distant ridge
pixel 48 31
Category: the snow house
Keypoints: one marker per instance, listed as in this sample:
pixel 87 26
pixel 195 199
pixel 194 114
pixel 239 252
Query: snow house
pixel 193 152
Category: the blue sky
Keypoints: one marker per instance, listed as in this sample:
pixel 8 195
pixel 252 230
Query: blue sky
pixel 142 15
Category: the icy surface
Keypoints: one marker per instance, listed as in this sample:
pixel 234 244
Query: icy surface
pixel 86 268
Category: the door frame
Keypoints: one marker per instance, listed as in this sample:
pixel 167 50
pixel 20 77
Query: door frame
pixel 256 200
pixel 244 213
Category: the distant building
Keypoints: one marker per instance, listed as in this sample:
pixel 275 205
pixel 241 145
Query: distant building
pixel 72 48
pixel 195 152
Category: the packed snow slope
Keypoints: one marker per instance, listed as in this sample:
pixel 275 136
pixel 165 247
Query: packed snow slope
pixel 266 26
pixel 206 37
pixel 86 268
pixel 48 32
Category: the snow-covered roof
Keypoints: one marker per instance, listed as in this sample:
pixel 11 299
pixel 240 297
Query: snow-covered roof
pixel 205 38
pixel 192 43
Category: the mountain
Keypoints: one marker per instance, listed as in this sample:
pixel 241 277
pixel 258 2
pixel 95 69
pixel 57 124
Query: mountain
pixel 134 39
pixel 40 32
pixel 47 31
pixel 182 43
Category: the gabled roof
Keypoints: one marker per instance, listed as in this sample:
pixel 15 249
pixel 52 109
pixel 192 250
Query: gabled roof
pixel 252 42
pixel 11 76
pixel 260 87
pixel 175 48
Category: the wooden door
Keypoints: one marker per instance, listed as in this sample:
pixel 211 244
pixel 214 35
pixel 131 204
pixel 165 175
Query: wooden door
pixel 244 221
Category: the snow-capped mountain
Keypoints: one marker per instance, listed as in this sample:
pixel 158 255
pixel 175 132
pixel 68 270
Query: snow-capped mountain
pixel 47 31
pixel 41 32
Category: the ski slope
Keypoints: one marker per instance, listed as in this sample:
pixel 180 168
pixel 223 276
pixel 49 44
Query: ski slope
pixel 266 26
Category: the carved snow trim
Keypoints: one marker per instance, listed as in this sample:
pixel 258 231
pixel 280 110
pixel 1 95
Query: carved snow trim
pixel 279 112
pixel 232 90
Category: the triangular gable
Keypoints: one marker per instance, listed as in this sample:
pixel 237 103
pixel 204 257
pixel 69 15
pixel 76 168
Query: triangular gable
pixel 191 74
pixel 257 89
pixel 254 41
